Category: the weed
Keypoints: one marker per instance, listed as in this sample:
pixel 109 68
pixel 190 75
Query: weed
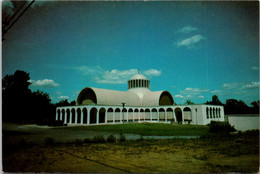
pixel 87 140
pixel 98 139
pixel 111 138
pixel 49 141
pixel 122 138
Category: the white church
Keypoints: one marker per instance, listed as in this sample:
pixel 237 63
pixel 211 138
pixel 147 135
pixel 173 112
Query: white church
pixel 96 106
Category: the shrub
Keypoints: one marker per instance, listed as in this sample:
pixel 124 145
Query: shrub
pixel 98 139
pixel 78 142
pixel 87 140
pixel 111 138
pixel 56 123
pixel 220 127
pixel 49 141
pixel 122 138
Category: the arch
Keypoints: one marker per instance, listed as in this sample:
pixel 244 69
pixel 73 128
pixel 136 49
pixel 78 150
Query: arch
pixel 117 115
pixel 124 116
pixel 210 111
pixel 187 114
pixel 161 114
pixel 133 83
pixel 166 99
pixel 93 116
pixel 178 114
pixel 79 115
pixel 147 114
pixel 102 115
pixel 85 115
pixel 68 115
pixel 73 115
pixel 219 112
pixel 87 96
pixel 154 114
pixel 142 83
pixel 216 112
pixel 141 114
pixel 207 112
pixel 214 116
pixel 170 116
pixel 63 115
pixel 58 111
pixel 137 84
pixel 136 114
pixel 110 115
pixel 130 115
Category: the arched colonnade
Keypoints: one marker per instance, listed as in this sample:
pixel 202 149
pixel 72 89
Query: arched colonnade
pixel 117 114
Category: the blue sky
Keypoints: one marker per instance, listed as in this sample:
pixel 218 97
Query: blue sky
pixel 192 49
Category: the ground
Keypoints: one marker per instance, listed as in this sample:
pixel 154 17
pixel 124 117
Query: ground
pixel 237 153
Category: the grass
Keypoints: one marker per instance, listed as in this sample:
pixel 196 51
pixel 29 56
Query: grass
pixel 147 129
pixel 237 153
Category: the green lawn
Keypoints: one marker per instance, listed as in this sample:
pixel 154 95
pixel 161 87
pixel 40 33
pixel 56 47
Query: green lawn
pixel 148 129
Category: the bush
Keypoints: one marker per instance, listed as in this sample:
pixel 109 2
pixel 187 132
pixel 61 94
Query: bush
pixel 56 123
pixel 87 140
pixel 111 138
pixel 49 141
pixel 78 142
pixel 220 127
pixel 122 138
pixel 98 139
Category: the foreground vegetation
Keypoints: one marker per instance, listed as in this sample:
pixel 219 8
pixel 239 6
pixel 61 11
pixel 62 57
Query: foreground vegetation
pixel 230 153
pixel 147 129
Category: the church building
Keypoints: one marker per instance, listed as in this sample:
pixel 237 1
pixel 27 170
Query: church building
pixel 137 104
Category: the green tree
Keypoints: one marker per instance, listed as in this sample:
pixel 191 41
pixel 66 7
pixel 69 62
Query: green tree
pixel 234 106
pixel 255 107
pixel 189 102
pixel 214 101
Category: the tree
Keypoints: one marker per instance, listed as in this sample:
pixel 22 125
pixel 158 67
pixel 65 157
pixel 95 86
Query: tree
pixel 215 101
pixel 234 106
pixel 20 104
pixel 16 95
pixel 189 102
pixel 255 107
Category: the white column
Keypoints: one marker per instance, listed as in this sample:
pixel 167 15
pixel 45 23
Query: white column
pixel 127 116
pixel 70 116
pixel 76 117
pixel 82 115
pixel 158 115
pixel 88 116
pixel 139 115
pixel 182 117
pixel 121 112
pixel 114 116
pixel 57 115
pixel 174 116
pixel 61 115
pixel 151 115
pixel 65 119
pixel 106 116
pixel 97 117
pixel 165 113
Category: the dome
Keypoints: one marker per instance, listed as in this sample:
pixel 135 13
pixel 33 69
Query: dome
pixel 138 76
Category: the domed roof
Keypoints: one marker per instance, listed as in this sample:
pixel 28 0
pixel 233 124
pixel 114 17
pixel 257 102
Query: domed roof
pixel 139 76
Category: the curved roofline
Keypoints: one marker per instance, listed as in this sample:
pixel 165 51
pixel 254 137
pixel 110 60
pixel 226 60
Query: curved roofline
pixel 138 76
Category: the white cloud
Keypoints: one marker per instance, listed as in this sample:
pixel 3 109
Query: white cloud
pixel 201 96
pixel 178 96
pixel 63 97
pixel 255 68
pixel 252 85
pixel 46 83
pixel 152 72
pixel 187 29
pixel 215 91
pixel 113 76
pixel 231 85
pixel 191 41
pixel 193 91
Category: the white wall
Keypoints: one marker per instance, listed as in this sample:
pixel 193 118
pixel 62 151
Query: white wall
pixel 244 122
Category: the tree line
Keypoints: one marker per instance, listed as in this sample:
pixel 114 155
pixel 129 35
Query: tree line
pixel 22 105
